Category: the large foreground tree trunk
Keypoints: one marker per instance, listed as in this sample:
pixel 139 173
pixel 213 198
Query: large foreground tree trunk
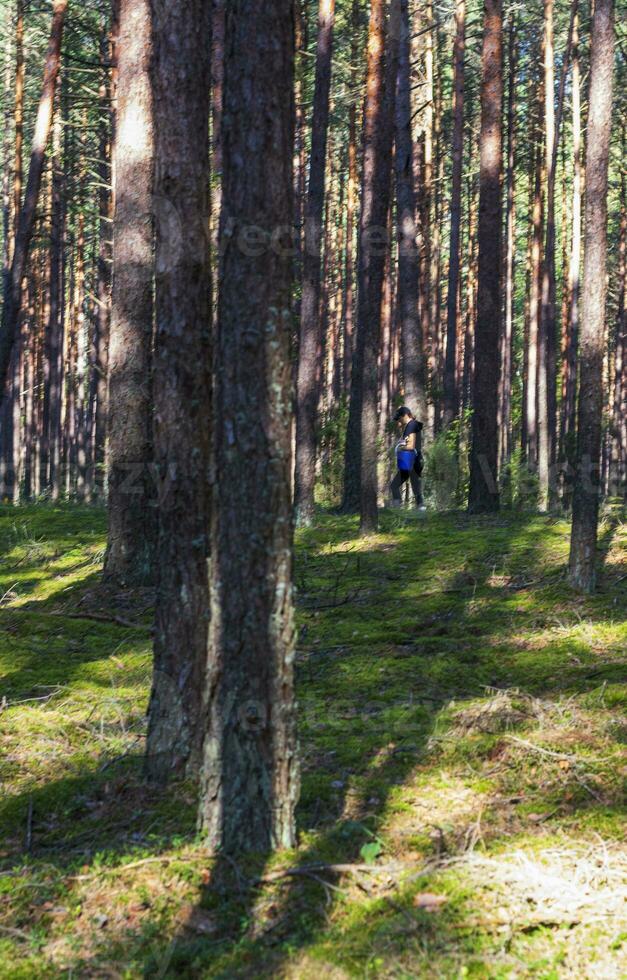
pixel 182 383
pixel 25 226
pixel 593 294
pixel 310 332
pixel 483 493
pixel 132 512
pixel 250 775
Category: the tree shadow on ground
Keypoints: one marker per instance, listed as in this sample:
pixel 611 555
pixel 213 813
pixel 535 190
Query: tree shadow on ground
pixel 371 706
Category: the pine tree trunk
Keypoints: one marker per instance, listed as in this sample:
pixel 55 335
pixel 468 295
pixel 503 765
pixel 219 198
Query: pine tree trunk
pixel 374 239
pixel 250 775
pixel 217 88
pixel 594 290
pixel 351 200
pixel 375 78
pixel 18 115
pixel 100 379
pixel 531 403
pixel 408 262
pixel 568 408
pixel 182 384
pixel 619 406
pixel 310 327
pixel 547 340
pixel 451 395
pixel 25 226
pixel 483 493
pixel 132 511
pixel 507 346
pixel 54 338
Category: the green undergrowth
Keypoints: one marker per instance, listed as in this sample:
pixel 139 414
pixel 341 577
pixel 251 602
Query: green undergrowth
pixel 462 732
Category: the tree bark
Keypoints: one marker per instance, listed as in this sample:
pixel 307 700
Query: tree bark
pixel 100 377
pixel 54 334
pixel 351 200
pixel 182 383
pixel 547 341
pixel 310 332
pixel 18 115
pixel 372 215
pixel 594 290
pixel 27 213
pixel 132 511
pixel 408 262
pixel 619 406
pixel 483 493
pixel 569 401
pixel 531 388
pixel 507 345
pixel 374 239
pixel 250 775
pixel 451 395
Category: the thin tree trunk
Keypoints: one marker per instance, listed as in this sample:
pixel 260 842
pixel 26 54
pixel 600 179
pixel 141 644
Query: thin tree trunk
pixel 182 384
pixel 217 88
pixel 451 395
pixel 378 138
pixel 351 201
pixel 132 511
pixel 547 340
pixel 582 571
pixel 408 262
pixel 100 379
pixel 250 776
pixel 310 332
pixel 27 214
pixel 569 404
pixel 18 115
pixel 373 215
pixel 619 407
pixel 531 407
pixel 483 493
pixel 54 339
pixel 505 398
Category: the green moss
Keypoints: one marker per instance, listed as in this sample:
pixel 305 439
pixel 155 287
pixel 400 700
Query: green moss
pixel 405 640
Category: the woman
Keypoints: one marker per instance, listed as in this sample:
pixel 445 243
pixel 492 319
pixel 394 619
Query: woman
pixel 412 437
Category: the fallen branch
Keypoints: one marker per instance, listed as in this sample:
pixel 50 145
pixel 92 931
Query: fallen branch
pixel 310 869
pixel 103 618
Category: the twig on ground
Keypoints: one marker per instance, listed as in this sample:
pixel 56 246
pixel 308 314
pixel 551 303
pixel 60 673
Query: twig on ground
pixel 310 869
pixel 17 933
pixel 103 618
pixel 28 837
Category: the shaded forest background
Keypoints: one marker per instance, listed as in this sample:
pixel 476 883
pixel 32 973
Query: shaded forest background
pixel 54 416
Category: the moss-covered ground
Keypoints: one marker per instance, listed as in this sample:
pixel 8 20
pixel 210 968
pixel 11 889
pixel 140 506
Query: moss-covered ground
pixel 463 731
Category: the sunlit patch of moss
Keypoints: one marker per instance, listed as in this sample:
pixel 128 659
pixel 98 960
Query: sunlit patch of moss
pixel 444 671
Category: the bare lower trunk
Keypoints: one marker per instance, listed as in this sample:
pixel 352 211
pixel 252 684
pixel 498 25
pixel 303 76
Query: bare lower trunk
pixel 586 493
pixel 28 211
pixel 568 419
pixel 250 775
pixel 378 137
pixel 132 512
pixel 451 395
pixel 507 345
pixel 182 384
pixel 408 288
pixel 310 333
pixel 483 492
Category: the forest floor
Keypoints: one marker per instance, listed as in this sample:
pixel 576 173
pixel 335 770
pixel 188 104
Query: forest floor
pixel 463 732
